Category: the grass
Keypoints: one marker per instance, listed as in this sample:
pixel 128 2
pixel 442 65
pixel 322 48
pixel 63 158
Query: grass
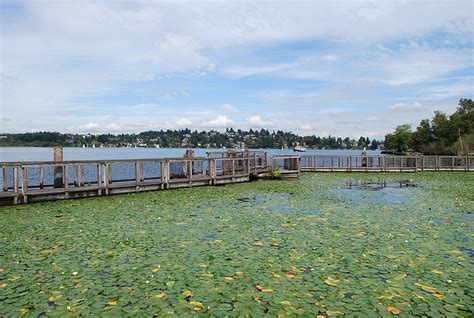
pixel 301 247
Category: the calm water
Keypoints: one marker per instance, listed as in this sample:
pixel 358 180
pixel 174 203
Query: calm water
pixel 45 153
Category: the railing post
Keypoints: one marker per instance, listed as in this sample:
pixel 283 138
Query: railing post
pixel 106 178
pixel 233 169
pixel 350 163
pixel 5 178
pixel 15 185
pixel 65 176
pixel 58 169
pixel 41 177
pixel 137 175
pixel 76 181
pixel 82 175
pixel 99 178
pixel 166 173
pixel 212 170
pixel 24 185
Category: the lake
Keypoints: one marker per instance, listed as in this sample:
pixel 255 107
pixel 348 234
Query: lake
pixel 12 154
pixel 302 247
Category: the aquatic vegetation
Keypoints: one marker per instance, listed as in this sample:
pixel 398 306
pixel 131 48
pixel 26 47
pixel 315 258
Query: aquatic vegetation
pixel 303 246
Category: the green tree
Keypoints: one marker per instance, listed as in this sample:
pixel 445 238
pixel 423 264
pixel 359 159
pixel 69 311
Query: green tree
pixel 464 106
pixel 423 136
pixel 400 140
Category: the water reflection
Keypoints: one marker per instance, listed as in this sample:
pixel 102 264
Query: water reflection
pixel 379 191
pixel 377 185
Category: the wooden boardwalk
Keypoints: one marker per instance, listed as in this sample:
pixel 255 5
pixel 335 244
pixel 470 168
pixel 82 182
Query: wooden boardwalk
pixel 24 182
pixel 384 163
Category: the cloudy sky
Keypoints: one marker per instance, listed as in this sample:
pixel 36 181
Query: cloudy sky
pixel 345 68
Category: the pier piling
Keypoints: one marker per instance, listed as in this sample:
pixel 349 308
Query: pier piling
pixel 58 169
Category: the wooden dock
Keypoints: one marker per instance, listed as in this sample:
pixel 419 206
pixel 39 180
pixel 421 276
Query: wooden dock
pixel 383 163
pixel 24 182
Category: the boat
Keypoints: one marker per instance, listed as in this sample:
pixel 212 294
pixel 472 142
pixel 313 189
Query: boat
pixel 299 149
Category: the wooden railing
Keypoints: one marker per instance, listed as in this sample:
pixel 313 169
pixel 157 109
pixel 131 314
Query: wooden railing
pixel 24 182
pixel 386 163
pixel 287 164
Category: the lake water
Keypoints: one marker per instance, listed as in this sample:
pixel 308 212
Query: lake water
pixel 12 154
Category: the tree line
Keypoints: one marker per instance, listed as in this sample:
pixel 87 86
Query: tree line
pixel 442 135
pixel 182 138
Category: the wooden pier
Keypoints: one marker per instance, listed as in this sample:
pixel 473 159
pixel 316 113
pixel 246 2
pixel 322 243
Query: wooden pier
pixel 382 163
pixel 24 182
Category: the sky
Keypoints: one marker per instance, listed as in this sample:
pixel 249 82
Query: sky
pixel 344 68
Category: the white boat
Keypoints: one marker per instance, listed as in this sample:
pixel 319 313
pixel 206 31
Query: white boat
pixel 299 149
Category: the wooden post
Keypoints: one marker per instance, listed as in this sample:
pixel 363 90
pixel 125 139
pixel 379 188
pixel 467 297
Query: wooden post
pixel 76 181
pixel 350 163
pixel 5 178
pixel 212 170
pixel 41 177
pixel 24 185
pixel 15 184
pixel 106 178
pixel 99 178
pixel 58 169
pixel 233 168
pixel 66 181
pixel 163 174
pixel 82 175
pixel 109 165
pixel 137 174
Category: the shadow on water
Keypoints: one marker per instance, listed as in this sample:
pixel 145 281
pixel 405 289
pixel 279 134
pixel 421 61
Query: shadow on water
pixel 387 192
pixel 264 197
pixel 275 202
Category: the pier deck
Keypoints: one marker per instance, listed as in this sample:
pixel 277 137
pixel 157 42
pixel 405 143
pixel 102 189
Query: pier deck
pixel 24 182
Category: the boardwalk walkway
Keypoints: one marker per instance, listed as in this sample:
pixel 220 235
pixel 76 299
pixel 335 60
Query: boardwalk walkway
pixel 24 182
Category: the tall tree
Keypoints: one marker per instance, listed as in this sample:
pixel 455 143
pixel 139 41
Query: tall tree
pixel 400 139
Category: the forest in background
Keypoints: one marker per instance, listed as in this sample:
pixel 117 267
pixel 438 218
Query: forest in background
pixel 442 135
pixel 186 138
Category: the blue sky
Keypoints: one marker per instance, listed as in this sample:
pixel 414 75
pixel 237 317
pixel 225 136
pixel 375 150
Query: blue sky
pixel 345 68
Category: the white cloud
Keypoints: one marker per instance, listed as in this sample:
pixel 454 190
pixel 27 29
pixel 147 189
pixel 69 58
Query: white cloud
pixel 256 120
pixel 220 121
pixel 305 127
pixel 88 127
pixel 64 52
pixel 113 127
pixel 183 122
pixel 410 107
